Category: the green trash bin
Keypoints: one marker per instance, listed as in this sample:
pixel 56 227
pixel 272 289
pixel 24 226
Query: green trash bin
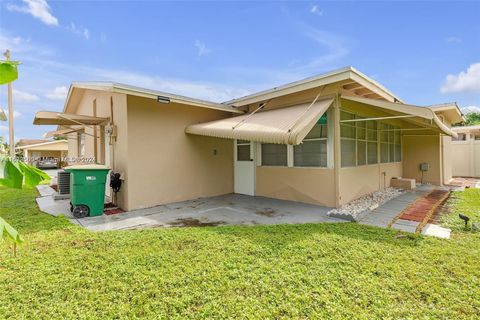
pixel 87 189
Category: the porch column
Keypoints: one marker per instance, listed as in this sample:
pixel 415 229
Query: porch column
pixel 336 148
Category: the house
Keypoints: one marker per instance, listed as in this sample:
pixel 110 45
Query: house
pixel 34 150
pixel 323 140
pixel 466 152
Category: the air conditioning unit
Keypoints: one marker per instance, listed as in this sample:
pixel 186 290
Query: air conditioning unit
pixel 63 181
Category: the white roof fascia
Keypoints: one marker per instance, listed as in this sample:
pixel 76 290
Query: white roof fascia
pixel 152 94
pixel 348 73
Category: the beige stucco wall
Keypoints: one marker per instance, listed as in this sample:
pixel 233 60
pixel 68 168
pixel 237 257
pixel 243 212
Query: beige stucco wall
pixel 417 149
pixel 358 181
pixel 309 185
pixel 166 164
pixel 105 102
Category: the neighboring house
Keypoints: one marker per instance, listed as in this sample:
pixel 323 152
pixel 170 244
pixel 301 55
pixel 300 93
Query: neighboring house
pixel 466 152
pixel 35 150
pixel 324 140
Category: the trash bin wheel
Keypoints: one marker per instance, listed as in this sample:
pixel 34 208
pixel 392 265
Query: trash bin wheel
pixel 81 211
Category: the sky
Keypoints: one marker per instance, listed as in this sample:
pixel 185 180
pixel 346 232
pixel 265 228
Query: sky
pixel 425 52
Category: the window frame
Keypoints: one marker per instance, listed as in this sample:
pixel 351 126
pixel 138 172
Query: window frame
pixel 377 127
pixel 326 139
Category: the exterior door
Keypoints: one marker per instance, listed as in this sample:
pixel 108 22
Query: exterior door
pixel 244 153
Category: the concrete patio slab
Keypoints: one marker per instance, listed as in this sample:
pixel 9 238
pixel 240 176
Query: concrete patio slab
pixel 235 209
pixel 231 209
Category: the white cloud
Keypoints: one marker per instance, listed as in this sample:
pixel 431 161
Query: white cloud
pixel 22 96
pixel 201 48
pixel 19 45
pixel 334 45
pixel 79 30
pixel 465 81
pixel 3 129
pixel 59 93
pixel 38 9
pixel 470 109
pixel 316 10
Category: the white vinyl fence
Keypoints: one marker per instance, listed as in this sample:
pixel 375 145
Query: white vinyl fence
pixel 466 158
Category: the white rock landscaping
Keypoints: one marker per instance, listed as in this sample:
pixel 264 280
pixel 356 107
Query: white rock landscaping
pixel 359 207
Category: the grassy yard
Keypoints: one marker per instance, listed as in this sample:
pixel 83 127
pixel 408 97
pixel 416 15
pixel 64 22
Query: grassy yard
pixel 299 271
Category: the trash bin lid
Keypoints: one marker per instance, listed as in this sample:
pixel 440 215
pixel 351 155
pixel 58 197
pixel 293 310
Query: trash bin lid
pixel 87 167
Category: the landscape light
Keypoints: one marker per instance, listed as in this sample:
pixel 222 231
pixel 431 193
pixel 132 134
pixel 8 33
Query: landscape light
pixel 464 218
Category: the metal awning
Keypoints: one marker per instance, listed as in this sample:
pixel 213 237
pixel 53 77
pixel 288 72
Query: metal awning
pixel 59 118
pixel 287 125
pixel 62 132
pixel 406 109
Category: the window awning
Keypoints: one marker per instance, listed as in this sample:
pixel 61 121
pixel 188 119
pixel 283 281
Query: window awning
pixel 287 125
pixel 406 109
pixel 59 118
pixel 62 132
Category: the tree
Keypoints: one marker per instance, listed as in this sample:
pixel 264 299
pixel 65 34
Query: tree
pixel 472 118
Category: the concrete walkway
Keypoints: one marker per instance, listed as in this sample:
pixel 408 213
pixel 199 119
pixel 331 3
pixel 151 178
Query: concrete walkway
pixel 384 215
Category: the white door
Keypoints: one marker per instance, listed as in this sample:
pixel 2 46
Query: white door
pixel 244 153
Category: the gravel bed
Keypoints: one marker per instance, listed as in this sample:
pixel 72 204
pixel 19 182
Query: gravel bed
pixel 364 204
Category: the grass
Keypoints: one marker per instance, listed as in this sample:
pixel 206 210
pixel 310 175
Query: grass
pixel 286 271
pixel 467 203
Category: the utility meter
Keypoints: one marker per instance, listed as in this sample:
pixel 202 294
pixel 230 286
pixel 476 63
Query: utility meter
pixel 424 166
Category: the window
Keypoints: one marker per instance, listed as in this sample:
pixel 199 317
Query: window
pixel 348 135
pixel 243 150
pixel 360 139
pixel 390 149
pixel 274 154
pixel 312 152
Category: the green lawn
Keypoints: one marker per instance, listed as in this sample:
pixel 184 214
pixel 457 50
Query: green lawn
pixel 299 271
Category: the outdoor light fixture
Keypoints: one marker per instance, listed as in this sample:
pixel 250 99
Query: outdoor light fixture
pixel 163 99
pixel 464 218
